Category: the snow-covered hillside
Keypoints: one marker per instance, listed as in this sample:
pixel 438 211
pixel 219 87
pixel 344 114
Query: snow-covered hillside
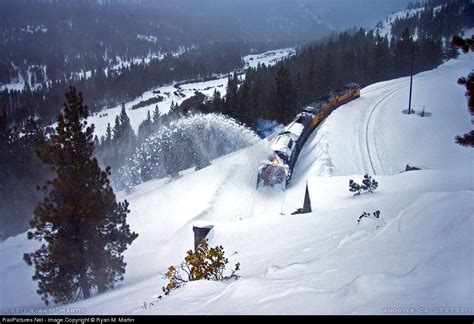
pixel 384 28
pixel 416 258
pixel 19 83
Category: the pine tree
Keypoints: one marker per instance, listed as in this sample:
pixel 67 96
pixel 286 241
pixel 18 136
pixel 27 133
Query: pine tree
pixel 467 45
pixel 369 184
pixel 146 127
pixel 96 141
pixel 354 187
pixel 231 103
pixel 126 129
pixel 125 140
pixel 381 58
pixel 243 113
pixel 451 50
pixel 286 105
pixel 216 103
pixel 108 134
pixel 174 108
pixel 124 120
pixel 403 53
pixel 82 227
pixel 148 116
pixel 117 128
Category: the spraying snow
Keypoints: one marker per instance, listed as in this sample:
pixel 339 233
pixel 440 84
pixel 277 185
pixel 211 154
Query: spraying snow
pixel 191 141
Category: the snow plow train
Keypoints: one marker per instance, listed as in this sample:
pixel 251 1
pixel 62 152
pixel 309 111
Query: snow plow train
pixel 286 147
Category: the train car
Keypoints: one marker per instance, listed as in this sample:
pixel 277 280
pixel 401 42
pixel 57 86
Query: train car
pixel 301 127
pixel 277 170
pixel 350 92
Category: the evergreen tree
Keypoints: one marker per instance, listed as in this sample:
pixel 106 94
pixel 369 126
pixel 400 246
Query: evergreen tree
pixel 148 116
pixel 174 108
pixel 257 98
pixel 127 131
pixel 117 128
pixel 381 58
pixel 216 103
pixel 157 115
pixel 96 141
pixel 369 184
pixel 243 113
pixel 354 187
pixel 285 95
pixel 467 45
pixel 124 141
pixel 146 127
pixel 451 50
pixel 108 134
pixel 125 121
pixel 82 227
pixel 403 53
pixel 231 103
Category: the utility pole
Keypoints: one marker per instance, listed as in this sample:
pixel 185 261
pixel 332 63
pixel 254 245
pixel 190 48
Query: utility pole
pixel 411 77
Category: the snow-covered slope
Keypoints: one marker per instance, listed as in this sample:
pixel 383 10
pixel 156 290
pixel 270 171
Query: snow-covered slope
pixel 416 258
pixel 384 28
pixel 380 139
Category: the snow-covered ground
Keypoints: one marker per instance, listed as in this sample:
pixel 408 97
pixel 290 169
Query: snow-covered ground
pixel 268 58
pixel 181 93
pixel 418 257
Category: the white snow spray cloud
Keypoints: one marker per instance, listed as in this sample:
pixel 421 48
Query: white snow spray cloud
pixel 191 141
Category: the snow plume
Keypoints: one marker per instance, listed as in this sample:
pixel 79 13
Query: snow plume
pixel 191 141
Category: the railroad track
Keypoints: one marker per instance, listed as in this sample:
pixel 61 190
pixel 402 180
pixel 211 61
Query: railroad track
pixel 370 152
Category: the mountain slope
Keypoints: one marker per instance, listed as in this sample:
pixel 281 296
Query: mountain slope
pixel 415 258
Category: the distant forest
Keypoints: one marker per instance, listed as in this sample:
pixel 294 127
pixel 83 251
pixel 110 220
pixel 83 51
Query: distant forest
pixel 280 91
pixel 127 82
pixel 112 53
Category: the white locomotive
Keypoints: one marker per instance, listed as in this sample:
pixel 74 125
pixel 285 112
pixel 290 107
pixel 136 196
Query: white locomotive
pixel 286 147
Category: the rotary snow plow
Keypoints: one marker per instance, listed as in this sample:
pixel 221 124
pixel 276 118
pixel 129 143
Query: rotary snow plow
pixel 276 171
pixel 272 173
